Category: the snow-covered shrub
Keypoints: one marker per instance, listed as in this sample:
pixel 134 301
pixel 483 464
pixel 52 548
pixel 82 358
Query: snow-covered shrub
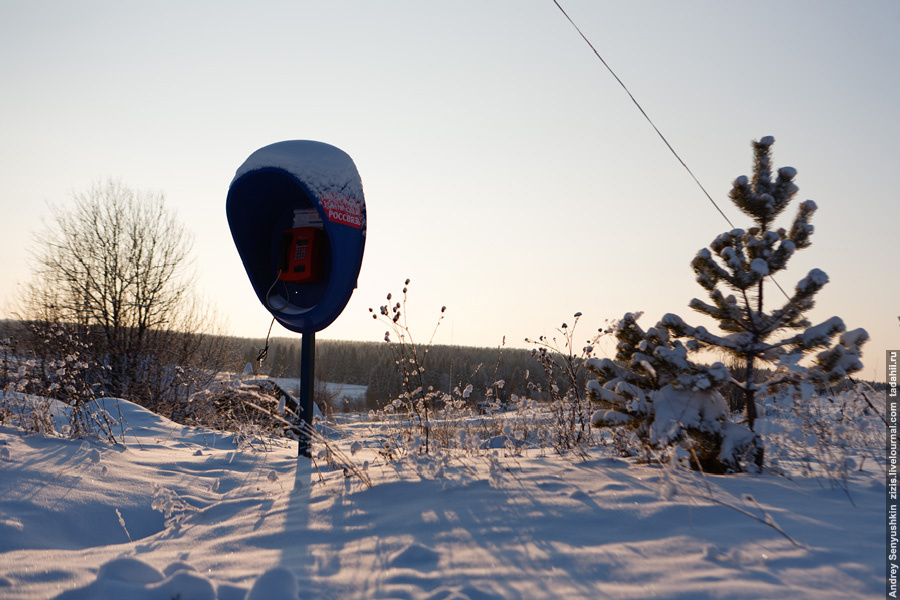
pixel 53 390
pixel 664 399
pixel 570 410
pixel 826 433
pixel 417 398
pixel 422 419
pixel 254 410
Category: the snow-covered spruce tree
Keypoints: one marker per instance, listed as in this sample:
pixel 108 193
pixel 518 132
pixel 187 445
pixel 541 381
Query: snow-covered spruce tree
pixel 654 375
pixel 741 263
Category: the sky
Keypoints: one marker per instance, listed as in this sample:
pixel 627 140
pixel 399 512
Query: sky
pixel 506 172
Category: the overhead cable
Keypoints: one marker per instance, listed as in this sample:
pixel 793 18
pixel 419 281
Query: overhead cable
pixel 643 112
pixel 652 124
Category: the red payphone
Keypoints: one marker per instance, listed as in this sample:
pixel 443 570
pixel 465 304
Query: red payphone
pixel 302 249
pixel 301 255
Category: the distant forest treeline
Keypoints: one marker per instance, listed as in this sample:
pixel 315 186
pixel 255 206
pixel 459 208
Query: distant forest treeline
pixel 373 364
pixel 370 364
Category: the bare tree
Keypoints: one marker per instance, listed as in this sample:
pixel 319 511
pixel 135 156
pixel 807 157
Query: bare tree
pixel 114 264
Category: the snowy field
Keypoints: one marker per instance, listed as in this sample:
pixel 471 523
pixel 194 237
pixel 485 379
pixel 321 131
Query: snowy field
pixel 342 392
pixel 176 512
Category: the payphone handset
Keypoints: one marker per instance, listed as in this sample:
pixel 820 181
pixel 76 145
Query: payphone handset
pixel 302 251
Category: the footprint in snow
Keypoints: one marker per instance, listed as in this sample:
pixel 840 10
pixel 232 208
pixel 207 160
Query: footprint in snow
pixel 275 584
pixel 129 577
pixel 416 557
pixel 129 570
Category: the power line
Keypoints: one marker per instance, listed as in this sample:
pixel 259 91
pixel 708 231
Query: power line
pixel 655 128
pixel 643 112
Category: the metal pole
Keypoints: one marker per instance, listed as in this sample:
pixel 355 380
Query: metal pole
pixel 307 387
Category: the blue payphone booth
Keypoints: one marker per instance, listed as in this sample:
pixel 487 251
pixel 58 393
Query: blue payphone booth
pixel 298 218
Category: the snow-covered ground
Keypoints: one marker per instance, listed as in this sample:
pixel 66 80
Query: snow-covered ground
pixel 345 394
pixel 354 393
pixel 177 512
